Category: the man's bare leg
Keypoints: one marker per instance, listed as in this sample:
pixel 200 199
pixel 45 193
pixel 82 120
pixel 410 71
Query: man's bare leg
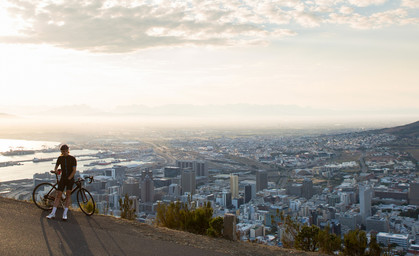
pixel 56 203
pixel 67 203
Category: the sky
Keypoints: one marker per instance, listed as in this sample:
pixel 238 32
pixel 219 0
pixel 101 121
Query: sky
pixel 329 54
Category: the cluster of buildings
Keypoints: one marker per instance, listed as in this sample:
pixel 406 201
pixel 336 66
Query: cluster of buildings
pixel 345 181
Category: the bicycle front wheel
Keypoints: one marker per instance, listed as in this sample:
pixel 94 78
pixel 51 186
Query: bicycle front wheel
pixel 44 196
pixel 86 202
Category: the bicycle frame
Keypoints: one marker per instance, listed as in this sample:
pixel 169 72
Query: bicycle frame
pixel 77 187
pixel 45 200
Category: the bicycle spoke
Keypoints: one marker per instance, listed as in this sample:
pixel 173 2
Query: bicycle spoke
pixel 85 201
pixel 44 195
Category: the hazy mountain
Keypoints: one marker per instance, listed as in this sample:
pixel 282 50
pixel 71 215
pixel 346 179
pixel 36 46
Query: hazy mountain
pixel 73 110
pixel 4 115
pixel 237 111
pixel 250 110
pixel 406 131
pixel 220 110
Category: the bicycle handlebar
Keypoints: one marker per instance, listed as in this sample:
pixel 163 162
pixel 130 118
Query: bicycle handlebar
pixel 90 177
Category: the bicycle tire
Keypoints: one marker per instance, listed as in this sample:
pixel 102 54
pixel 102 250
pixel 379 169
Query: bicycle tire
pixel 43 196
pixel 86 202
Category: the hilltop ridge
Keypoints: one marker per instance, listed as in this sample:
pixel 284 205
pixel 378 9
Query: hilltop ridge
pixel 105 235
pixel 405 131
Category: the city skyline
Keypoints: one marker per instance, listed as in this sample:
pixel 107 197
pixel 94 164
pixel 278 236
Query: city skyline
pixel 334 55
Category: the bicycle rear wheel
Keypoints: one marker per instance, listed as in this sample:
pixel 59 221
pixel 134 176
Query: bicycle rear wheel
pixel 44 196
pixel 86 202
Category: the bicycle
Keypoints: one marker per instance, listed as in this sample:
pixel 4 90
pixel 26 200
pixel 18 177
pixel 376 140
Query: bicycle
pixel 44 194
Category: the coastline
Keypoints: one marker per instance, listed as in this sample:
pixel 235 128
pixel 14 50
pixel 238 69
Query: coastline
pixel 14 181
pixel 17 189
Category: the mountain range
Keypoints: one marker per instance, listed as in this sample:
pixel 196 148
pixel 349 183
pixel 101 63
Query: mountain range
pixel 4 115
pixel 236 110
pixel 405 131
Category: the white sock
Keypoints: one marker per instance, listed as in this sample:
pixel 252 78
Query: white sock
pixel 54 209
pixel 65 211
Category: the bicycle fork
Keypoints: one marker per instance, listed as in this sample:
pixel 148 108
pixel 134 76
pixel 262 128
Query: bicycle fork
pixel 83 196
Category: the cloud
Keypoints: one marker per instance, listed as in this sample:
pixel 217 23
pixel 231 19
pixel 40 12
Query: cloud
pixel 346 10
pixel 410 3
pixel 374 21
pixel 113 27
pixel 364 3
pixel 308 20
pixel 125 26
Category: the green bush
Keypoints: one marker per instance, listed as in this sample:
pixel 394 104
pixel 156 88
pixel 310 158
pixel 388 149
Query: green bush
pixel 307 238
pixel 312 238
pixel 355 243
pixel 216 227
pixel 127 208
pixel 329 243
pixel 177 215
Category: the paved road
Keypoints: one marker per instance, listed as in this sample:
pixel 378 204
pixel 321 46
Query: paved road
pixel 160 150
pixel 24 230
pixel 362 163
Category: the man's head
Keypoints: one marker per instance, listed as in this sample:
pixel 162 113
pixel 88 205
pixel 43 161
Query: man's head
pixel 64 149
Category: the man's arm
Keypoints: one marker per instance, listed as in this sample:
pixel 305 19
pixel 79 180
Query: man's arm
pixel 72 173
pixel 56 165
pixel 74 170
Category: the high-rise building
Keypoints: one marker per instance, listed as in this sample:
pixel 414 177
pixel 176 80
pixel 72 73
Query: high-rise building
pixel 162 182
pixel 247 193
pixel 147 190
pixel 131 187
pixel 145 173
pixel 188 181
pixel 253 185
pixel 234 186
pixel 120 172
pixel 333 200
pixel 184 164
pixel 365 196
pixel 174 190
pixel 376 223
pixel 171 171
pixel 294 189
pixel 237 202
pixel 414 193
pixel 200 167
pixel 261 180
pixel 227 202
pixel 307 188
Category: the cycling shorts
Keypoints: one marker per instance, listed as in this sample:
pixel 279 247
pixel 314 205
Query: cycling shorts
pixel 65 183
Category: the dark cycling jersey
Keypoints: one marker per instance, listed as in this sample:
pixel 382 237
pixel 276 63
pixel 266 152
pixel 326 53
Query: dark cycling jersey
pixel 67 163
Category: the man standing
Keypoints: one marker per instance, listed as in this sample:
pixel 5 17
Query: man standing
pixel 68 165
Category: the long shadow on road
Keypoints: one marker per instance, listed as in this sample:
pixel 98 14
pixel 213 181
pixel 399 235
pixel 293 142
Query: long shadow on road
pixel 66 234
pixel 44 233
pixel 92 222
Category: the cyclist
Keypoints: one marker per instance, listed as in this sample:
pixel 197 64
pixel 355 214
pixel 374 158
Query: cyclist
pixel 68 165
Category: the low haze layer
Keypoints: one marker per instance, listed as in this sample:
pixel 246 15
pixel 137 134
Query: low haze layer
pixel 334 55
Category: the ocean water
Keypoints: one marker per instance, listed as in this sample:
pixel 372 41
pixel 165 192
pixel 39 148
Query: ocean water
pixel 28 168
pixel 6 144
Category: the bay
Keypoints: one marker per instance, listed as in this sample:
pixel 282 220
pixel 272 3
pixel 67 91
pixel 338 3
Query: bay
pixel 28 168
